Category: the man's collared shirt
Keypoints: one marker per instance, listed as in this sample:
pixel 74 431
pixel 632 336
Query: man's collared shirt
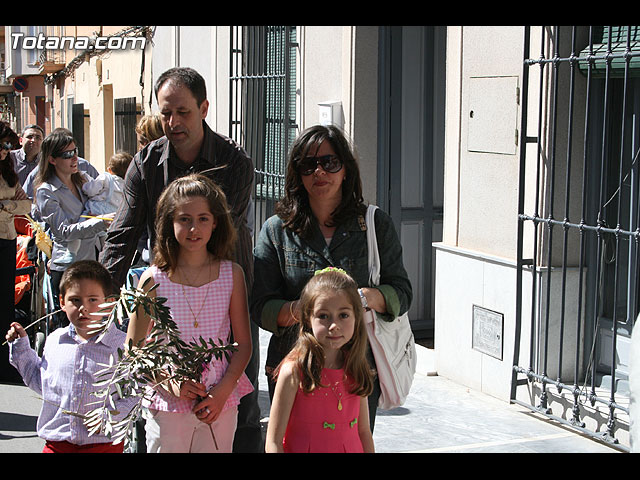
pixel 20 164
pixel 65 378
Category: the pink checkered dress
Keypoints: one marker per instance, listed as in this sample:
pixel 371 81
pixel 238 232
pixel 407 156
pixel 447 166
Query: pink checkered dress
pixel 213 322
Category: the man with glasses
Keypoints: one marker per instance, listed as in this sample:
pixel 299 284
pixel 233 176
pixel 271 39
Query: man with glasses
pixel 189 146
pixel 25 159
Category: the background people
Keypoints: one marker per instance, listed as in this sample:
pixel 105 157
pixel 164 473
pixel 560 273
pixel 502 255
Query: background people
pixel 106 191
pixel 320 223
pixel 25 159
pixel 13 201
pixel 148 129
pixel 83 166
pixel 189 146
pixel 60 201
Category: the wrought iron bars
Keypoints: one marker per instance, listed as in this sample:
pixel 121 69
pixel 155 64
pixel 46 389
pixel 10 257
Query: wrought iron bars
pixel 262 106
pixel 592 229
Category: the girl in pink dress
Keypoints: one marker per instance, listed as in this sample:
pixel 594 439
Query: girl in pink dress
pixel 206 294
pixel 320 400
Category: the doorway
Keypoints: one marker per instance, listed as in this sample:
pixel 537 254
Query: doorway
pixel 411 153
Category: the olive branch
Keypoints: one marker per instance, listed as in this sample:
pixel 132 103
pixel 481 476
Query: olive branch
pixel 161 358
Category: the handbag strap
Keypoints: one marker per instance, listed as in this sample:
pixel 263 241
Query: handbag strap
pixel 372 246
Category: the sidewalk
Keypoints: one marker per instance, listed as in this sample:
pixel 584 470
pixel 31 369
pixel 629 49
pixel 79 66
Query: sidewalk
pixel 439 416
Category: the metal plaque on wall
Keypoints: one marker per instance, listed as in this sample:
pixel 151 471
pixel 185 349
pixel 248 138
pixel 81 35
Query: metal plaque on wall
pixel 488 328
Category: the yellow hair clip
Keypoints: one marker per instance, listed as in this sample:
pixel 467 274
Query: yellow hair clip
pixel 330 269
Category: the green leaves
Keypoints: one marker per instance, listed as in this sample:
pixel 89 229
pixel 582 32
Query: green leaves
pixel 163 357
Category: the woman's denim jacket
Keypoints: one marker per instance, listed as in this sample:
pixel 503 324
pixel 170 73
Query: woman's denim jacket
pixel 284 262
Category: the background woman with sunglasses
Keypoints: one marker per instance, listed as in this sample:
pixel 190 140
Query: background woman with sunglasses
pixel 60 202
pixel 320 223
pixel 13 201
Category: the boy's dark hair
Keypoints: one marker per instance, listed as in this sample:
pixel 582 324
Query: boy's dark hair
pixel 119 163
pixel 83 270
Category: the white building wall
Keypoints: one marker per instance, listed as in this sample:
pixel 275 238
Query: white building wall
pixel 203 48
pixel 340 64
pixel 475 263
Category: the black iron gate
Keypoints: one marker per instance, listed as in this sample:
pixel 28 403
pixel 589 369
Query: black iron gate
pixel 578 225
pixel 126 115
pixel 262 106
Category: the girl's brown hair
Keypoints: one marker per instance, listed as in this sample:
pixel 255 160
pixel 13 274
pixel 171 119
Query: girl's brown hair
pixel 222 241
pixel 307 353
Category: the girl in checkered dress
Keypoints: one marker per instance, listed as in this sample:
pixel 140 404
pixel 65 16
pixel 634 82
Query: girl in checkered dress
pixel 206 293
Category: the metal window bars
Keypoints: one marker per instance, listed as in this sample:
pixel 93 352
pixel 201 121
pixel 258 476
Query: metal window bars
pixel 584 281
pixel 262 106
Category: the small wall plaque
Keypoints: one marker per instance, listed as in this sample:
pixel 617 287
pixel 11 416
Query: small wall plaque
pixel 488 329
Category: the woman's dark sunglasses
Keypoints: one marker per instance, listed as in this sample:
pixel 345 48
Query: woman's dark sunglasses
pixel 68 154
pixel 5 146
pixel 329 163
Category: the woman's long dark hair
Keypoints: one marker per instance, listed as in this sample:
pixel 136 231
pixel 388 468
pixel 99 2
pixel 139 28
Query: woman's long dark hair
pixel 294 208
pixel 6 166
pixel 52 146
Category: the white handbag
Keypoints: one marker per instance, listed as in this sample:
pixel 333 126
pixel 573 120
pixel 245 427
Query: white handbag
pixel 392 343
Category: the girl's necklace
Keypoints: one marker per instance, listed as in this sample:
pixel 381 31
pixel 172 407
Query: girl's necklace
pixel 338 395
pixel 186 297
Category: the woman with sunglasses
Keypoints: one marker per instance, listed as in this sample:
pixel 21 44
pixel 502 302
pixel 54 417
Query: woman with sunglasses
pixel 13 201
pixel 60 202
pixel 320 223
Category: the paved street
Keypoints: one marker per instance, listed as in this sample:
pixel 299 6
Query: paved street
pixel 439 416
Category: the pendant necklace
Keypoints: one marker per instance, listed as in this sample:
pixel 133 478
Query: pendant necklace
pixel 186 297
pixel 336 394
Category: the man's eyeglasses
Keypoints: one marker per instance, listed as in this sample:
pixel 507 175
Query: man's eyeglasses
pixel 329 163
pixel 68 154
pixel 5 146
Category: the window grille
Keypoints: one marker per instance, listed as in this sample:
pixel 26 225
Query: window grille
pixel 126 117
pixel 578 240
pixel 263 106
